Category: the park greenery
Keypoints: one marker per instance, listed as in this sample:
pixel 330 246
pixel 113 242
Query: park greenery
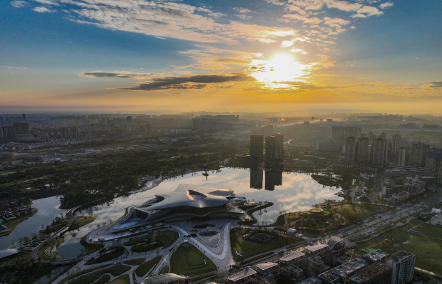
pixel 146 266
pixel 100 176
pixel 244 247
pixel 189 261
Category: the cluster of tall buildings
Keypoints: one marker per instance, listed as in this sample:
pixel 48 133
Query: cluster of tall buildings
pixel 274 148
pixel 16 129
pixel 366 150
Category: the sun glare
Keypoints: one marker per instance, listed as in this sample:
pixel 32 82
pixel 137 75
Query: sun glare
pixel 281 71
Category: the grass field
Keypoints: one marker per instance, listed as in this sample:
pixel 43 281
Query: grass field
pixel 428 250
pixel 95 275
pixel 190 261
pixel 249 248
pixel 121 280
pixel 143 268
pixel 103 280
pixel 80 221
pixel 137 261
pixel 119 251
pixel 41 252
pixel 359 211
pixel 163 270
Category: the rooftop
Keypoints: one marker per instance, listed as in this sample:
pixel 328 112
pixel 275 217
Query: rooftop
pixel 355 265
pixel 246 272
pixel 315 248
pixel 163 278
pixel 292 256
pixel 311 280
pixel 370 272
pixel 266 265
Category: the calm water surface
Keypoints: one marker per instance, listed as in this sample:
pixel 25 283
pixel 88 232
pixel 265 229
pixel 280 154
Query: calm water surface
pixel 288 192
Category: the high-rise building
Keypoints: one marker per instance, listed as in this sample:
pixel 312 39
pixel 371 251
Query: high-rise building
pixel 271 150
pixel 396 144
pixel 23 117
pixel 279 147
pixel 434 164
pixel 256 147
pixel 402 264
pixel 383 136
pixel 418 154
pixel 350 149
pixel 379 151
pixel 363 154
pixel 403 156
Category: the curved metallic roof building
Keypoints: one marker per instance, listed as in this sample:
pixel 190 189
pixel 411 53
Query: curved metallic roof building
pixel 184 203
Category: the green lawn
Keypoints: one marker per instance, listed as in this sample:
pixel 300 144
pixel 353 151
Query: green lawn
pixel 166 238
pixel 80 221
pixel 146 266
pixel 121 280
pixel 249 248
pixel 41 252
pixel 137 261
pixel 190 261
pixel 93 276
pixel 359 211
pixel 163 270
pixel 103 280
pixel 428 251
pixel 119 251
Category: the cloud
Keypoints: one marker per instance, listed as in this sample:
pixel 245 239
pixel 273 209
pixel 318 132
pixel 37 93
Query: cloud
pixel 367 11
pixel 166 19
pixel 47 2
pixel 436 84
pixel 275 2
pixel 19 3
pixel 13 67
pixel 43 10
pixel 286 43
pixel 343 5
pixel 386 5
pixel 335 22
pixel 188 82
pixel 119 74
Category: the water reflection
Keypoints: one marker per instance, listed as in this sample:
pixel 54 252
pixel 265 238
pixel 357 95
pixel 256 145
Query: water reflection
pixel 47 211
pixel 288 191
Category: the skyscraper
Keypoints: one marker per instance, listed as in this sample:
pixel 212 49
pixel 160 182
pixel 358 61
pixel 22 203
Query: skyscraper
pixel 350 149
pixel 403 156
pixel 379 151
pixel 363 154
pixel 23 117
pixel 418 154
pixel 256 147
pixel 402 264
pixel 271 150
pixel 396 144
pixel 279 147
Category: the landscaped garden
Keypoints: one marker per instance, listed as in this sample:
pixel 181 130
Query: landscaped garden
pixel 97 274
pixel 108 254
pixel 428 248
pixel 188 260
pixel 144 267
pixel 248 247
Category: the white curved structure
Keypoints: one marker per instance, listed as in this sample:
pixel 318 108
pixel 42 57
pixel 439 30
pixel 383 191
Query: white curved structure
pixel 185 202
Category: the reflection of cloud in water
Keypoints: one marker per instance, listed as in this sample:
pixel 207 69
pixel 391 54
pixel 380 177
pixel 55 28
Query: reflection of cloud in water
pixel 298 192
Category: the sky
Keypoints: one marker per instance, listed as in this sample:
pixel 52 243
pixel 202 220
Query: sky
pixel 249 55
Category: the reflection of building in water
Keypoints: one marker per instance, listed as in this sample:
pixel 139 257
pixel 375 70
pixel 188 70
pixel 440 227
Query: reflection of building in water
pixel 273 178
pixel 256 178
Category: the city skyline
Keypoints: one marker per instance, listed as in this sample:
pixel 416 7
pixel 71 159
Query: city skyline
pixel 261 55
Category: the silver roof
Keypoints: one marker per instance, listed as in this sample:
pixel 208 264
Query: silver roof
pixel 192 196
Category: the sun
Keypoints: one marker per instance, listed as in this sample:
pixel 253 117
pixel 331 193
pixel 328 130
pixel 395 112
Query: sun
pixel 281 71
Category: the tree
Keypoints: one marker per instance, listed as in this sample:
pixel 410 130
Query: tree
pixel 26 239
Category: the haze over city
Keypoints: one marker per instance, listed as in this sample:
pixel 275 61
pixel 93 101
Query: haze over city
pixel 220 141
